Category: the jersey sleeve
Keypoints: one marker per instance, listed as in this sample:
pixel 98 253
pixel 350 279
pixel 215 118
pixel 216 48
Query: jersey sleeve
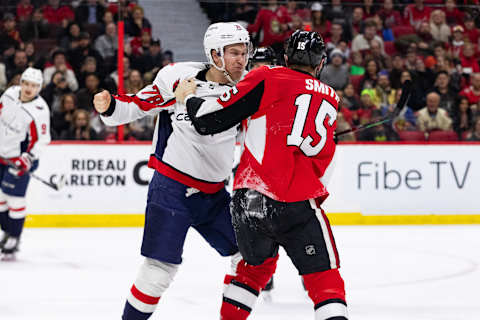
pixel 151 100
pixel 235 105
pixel 39 132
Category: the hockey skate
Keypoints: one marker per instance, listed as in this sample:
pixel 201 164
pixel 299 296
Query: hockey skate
pixel 3 239
pixel 9 249
pixel 267 291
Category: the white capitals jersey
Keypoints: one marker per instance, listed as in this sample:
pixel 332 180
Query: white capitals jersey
pixel 24 127
pixel 178 151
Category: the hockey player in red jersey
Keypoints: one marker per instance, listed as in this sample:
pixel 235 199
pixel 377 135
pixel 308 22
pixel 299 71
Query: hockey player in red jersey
pixel 278 189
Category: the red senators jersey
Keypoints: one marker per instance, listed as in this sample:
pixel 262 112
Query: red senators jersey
pixel 288 143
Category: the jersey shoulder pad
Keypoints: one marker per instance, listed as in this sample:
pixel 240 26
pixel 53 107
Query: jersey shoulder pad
pixel 178 71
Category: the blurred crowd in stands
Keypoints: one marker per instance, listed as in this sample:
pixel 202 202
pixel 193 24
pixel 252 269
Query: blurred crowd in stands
pixel 373 47
pixel 75 44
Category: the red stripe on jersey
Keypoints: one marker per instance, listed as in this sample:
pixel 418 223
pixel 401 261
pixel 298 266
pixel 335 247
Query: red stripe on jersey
pixel 1 105
pixel 330 233
pixel 145 105
pixel 145 298
pixel 33 136
pixel 3 202
pixel 172 173
pixel 16 209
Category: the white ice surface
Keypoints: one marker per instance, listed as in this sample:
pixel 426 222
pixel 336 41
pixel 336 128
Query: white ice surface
pixel 391 273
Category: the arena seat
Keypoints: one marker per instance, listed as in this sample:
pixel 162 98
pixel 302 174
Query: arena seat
pixel 405 135
pixel 441 135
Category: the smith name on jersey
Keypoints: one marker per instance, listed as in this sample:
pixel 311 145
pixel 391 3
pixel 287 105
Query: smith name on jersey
pixel 178 151
pixel 288 136
pixel 24 126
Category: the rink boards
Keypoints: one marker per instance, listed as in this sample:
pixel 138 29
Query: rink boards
pixel 106 185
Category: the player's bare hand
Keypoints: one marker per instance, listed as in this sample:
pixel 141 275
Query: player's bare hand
pixel 101 101
pixel 185 88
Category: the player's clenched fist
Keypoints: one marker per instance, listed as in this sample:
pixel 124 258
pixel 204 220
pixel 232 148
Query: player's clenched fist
pixel 185 88
pixel 101 101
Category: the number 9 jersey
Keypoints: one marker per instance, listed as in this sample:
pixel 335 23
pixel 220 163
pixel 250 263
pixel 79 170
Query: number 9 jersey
pixel 288 131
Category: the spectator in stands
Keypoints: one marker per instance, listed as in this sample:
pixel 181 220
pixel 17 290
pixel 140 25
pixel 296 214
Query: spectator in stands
pixel 458 41
pixel 369 10
pixel 337 13
pixel 24 10
pixel 150 61
pixel 475 135
pixel 357 23
pixel 85 95
pixel 439 28
pixel 376 53
pixel 424 38
pixel 336 74
pixel 320 23
pixel 472 92
pixel 295 8
pixel 244 12
pixel 362 41
pixel 71 38
pixel 35 27
pixel 336 36
pixel 107 18
pixel 62 118
pixel 390 17
pixel 141 44
pixel 370 77
pixel 89 66
pixel 56 14
pixel 137 23
pixel 272 20
pixel 396 71
pixel 112 80
pixel 462 117
pixel 80 128
pixel 20 63
pixel 60 64
pixel 55 90
pixel 90 12
pixel 107 43
pixel 448 97
pixel 343 125
pixel 471 31
pixel 468 60
pixel 85 49
pixel 9 35
pixel 453 15
pixel 432 117
pixel 415 14
pixel 384 94
pixel 350 99
pixel 356 66
pixel 134 82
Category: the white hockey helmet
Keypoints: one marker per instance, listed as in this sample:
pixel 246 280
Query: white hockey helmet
pixel 221 34
pixel 32 75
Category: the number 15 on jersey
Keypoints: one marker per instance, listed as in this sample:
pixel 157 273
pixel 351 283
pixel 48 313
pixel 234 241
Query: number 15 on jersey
pixel 302 102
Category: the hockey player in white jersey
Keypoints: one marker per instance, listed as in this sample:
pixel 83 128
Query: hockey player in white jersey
pixel 187 189
pixel 24 131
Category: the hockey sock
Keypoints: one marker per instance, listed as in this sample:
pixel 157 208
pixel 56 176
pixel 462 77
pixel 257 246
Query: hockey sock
pixel 242 291
pixel 130 313
pixel 327 291
pixel 15 227
pixel 3 219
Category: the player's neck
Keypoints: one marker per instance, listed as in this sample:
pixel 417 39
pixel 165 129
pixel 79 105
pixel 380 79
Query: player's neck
pixel 217 76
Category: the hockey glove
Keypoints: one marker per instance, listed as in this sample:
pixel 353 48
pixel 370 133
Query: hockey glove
pixel 23 164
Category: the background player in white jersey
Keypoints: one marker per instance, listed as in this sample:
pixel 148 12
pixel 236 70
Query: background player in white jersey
pixel 24 131
pixel 187 189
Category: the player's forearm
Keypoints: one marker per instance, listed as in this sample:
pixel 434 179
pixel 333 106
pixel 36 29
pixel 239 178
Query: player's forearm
pixel 120 112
